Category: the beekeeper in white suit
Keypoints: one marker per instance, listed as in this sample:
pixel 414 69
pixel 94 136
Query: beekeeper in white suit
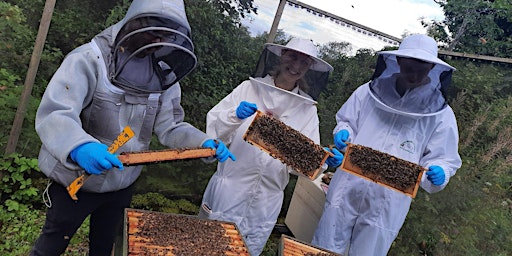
pixel 249 191
pixel 402 111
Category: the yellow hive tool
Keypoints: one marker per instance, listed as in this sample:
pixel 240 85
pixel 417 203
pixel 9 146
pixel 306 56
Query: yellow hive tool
pixel 121 139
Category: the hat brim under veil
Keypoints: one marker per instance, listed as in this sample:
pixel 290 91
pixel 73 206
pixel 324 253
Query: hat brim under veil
pixel 297 45
pixel 315 79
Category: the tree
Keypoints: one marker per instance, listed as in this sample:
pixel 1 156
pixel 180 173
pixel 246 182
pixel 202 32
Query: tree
pixel 16 43
pixel 226 56
pixel 477 26
pixel 234 8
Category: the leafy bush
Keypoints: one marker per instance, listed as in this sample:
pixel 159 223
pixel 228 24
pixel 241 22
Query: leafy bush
pixel 15 181
pixel 19 227
pixel 157 202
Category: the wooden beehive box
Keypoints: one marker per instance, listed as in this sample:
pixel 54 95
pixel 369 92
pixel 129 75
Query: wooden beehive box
pixel 286 144
pixel 157 233
pixel 382 168
pixel 289 246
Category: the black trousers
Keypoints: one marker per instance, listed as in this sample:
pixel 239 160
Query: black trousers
pixel 65 216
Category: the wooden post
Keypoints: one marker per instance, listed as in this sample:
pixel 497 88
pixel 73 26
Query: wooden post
pixel 277 18
pixel 31 74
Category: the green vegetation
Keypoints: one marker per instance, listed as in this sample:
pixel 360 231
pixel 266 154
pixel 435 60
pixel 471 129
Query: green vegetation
pixel 472 216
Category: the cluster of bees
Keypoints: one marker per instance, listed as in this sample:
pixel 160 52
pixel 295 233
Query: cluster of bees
pixel 385 168
pixel 169 234
pixel 286 144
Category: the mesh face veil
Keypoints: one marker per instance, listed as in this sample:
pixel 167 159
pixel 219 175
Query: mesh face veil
pixel 151 54
pixel 428 98
pixel 316 77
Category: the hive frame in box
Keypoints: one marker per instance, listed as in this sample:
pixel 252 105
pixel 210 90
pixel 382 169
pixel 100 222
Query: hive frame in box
pixel 289 246
pixel 347 166
pixel 271 150
pixel 122 240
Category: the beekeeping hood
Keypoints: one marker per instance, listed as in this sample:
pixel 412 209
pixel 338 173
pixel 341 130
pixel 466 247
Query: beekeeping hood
pixel 171 57
pixel 317 75
pixel 425 99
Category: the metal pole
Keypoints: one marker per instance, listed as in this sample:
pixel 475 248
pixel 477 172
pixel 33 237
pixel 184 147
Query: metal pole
pixel 31 74
pixel 277 18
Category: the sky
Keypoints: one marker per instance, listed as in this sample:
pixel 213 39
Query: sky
pixel 392 17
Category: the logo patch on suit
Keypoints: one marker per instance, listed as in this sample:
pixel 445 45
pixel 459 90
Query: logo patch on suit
pixel 408 146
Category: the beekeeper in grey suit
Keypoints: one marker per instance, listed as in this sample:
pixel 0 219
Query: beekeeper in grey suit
pixel 126 76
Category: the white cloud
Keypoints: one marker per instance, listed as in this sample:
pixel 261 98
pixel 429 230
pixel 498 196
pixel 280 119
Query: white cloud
pixel 392 17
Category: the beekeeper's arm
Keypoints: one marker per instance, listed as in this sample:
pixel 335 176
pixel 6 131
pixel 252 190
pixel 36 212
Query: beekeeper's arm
pixel 58 121
pixel 222 120
pixel 173 132
pixel 441 155
pixel 347 117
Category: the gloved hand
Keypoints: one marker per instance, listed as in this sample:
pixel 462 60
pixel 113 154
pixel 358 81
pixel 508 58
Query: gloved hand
pixel 245 109
pixel 222 153
pixel 340 138
pixel 436 175
pixel 334 161
pixel 95 158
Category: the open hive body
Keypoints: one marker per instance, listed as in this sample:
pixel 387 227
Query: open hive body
pixel 289 246
pixel 389 171
pixel 286 144
pixel 156 233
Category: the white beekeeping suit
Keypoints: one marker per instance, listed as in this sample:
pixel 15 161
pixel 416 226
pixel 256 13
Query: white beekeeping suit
pixel 417 126
pixel 249 191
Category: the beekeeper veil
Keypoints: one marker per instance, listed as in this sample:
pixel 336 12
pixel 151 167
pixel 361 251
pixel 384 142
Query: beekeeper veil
pixel 153 49
pixel 428 98
pixel 316 77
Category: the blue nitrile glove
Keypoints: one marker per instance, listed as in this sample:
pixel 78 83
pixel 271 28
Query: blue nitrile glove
pixel 245 109
pixel 222 153
pixel 436 175
pixel 340 138
pixel 334 161
pixel 95 158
